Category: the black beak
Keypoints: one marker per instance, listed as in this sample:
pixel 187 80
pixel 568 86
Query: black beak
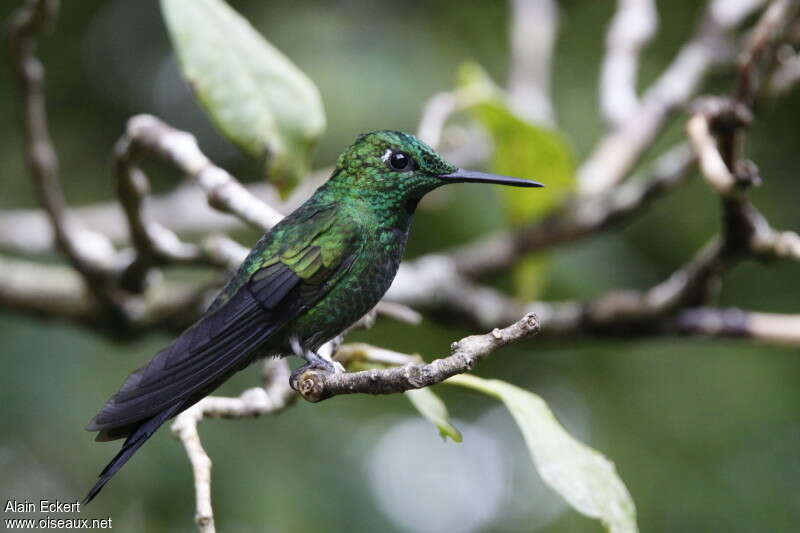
pixel 471 176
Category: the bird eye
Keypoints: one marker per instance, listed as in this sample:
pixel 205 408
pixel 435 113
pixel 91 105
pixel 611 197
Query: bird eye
pixel 401 161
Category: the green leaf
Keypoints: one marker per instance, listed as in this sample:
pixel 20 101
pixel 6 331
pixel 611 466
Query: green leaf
pixel 433 408
pixel 585 478
pixel 522 149
pixel 253 93
pixel 529 151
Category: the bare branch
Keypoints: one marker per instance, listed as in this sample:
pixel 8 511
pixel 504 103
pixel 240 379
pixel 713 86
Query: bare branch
pixel 771 328
pixel 353 353
pixel 54 291
pixel 27 230
pixel 787 73
pixel 634 25
pixel 768 29
pixel 314 385
pixel 773 244
pixel 580 217
pixel 156 245
pixel 223 191
pixel 717 129
pixel 615 155
pixel 435 113
pixel 399 312
pixel 273 396
pixel 690 285
pixel 533 31
pixel 712 165
pixel 89 253
pixel 44 290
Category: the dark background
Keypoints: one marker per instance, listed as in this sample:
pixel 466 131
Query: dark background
pixel 704 433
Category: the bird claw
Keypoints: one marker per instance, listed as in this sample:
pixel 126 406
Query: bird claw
pixel 320 365
pixel 315 362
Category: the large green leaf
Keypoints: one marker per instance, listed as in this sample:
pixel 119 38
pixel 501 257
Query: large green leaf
pixel 584 477
pixel 522 149
pixel 253 93
pixel 433 408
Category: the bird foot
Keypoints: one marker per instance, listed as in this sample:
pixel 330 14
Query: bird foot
pixel 315 362
pixel 320 364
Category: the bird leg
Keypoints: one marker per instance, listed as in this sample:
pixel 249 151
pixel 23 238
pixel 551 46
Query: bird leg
pixel 314 361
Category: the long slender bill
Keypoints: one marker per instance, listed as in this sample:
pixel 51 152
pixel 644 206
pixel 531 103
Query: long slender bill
pixel 472 176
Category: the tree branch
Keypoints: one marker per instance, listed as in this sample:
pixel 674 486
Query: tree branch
pixel 89 253
pixel 156 245
pixel 101 278
pixel 634 25
pixel 224 193
pixel 272 396
pixel 615 155
pixel 314 385
pixel 757 49
pixel 579 217
pixel 531 54
pixel 770 328
pixel 787 75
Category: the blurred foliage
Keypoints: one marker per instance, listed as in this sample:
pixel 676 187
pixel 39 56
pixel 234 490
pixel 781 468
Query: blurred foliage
pixel 522 149
pixel 704 433
pixel 253 93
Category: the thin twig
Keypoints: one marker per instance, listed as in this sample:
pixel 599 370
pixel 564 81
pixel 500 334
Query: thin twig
pixel 273 396
pixel 314 385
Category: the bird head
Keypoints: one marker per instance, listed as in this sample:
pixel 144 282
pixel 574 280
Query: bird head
pixel 402 166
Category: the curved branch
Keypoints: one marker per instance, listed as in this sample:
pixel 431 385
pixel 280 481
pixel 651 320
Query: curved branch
pixel 615 155
pixel 315 385
pixel 155 244
pixel 90 253
pixel 633 26
pixel 223 191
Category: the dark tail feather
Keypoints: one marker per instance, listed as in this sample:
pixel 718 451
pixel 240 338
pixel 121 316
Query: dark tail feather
pixel 138 437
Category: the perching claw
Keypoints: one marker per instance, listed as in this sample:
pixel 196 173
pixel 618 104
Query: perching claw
pixel 314 361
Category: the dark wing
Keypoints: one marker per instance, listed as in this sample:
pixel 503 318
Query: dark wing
pixel 291 268
pixel 189 367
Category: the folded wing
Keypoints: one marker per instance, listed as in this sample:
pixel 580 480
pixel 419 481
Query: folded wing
pixel 289 272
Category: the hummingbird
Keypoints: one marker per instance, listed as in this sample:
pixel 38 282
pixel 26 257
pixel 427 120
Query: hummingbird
pixel 309 278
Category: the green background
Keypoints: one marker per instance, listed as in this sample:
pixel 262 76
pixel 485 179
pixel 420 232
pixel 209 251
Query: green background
pixel 704 433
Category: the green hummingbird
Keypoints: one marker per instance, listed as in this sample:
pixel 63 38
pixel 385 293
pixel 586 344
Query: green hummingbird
pixel 306 280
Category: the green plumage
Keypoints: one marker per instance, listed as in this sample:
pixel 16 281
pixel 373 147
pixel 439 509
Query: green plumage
pixel 309 278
